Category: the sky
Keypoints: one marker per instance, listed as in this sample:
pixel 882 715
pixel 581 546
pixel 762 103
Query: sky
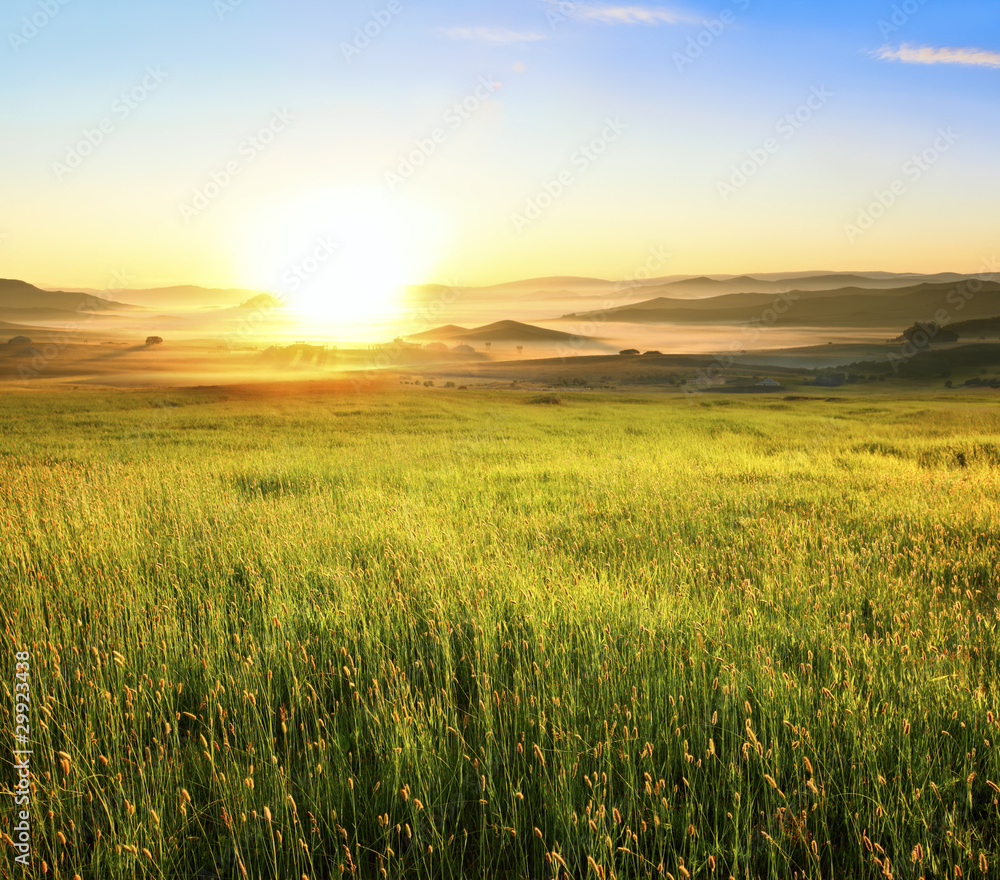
pixel 257 144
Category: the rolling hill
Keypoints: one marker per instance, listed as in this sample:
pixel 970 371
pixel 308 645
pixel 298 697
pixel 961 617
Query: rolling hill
pixel 262 301
pixel 559 282
pixel 187 297
pixel 704 287
pixel 22 297
pixel 985 327
pixel 449 331
pixel 846 307
pixel 498 331
pixel 10 329
pixel 567 288
pixel 961 360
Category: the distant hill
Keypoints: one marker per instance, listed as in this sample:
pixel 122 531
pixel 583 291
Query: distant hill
pixel 498 331
pixel 21 296
pixel 15 329
pixel 931 363
pixel 46 317
pixel 512 331
pixel 558 282
pixel 567 287
pixel 909 277
pixel 848 307
pixel 559 287
pixel 987 327
pixel 188 297
pixel 423 292
pixel 262 301
pixel 449 331
pixel 696 288
pixel 704 285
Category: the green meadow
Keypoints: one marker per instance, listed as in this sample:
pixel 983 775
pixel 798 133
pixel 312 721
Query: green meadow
pixel 464 634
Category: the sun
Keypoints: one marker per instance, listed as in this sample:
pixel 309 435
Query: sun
pixel 341 259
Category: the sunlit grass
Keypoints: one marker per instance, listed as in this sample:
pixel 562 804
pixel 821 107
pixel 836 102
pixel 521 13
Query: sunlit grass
pixel 451 635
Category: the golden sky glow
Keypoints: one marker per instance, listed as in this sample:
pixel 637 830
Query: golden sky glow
pixel 480 143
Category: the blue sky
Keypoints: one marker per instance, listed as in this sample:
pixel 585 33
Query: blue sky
pixel 699 163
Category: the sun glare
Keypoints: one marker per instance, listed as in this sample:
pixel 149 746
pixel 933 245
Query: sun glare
pixel 341 259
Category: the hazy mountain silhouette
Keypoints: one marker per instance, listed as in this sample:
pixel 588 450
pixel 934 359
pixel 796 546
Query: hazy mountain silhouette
pixel 851 306
pixel 498 331
pixel 446 332
pixel 188 297
pixel 22 296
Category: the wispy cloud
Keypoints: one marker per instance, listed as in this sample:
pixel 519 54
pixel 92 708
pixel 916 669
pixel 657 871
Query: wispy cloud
pixel 493 35
pixel 608 14
pixel 931 55
pixel 630 15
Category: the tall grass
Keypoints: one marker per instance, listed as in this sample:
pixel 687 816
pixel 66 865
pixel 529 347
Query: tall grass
pixel 452 635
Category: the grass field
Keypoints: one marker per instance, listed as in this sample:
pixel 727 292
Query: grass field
pixel 454 634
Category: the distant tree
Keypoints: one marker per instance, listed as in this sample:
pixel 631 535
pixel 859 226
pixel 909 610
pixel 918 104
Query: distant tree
pixel 154 340
pixel 629 351
pixel 922 335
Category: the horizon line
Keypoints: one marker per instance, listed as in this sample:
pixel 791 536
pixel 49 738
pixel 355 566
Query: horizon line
pixel 678 276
